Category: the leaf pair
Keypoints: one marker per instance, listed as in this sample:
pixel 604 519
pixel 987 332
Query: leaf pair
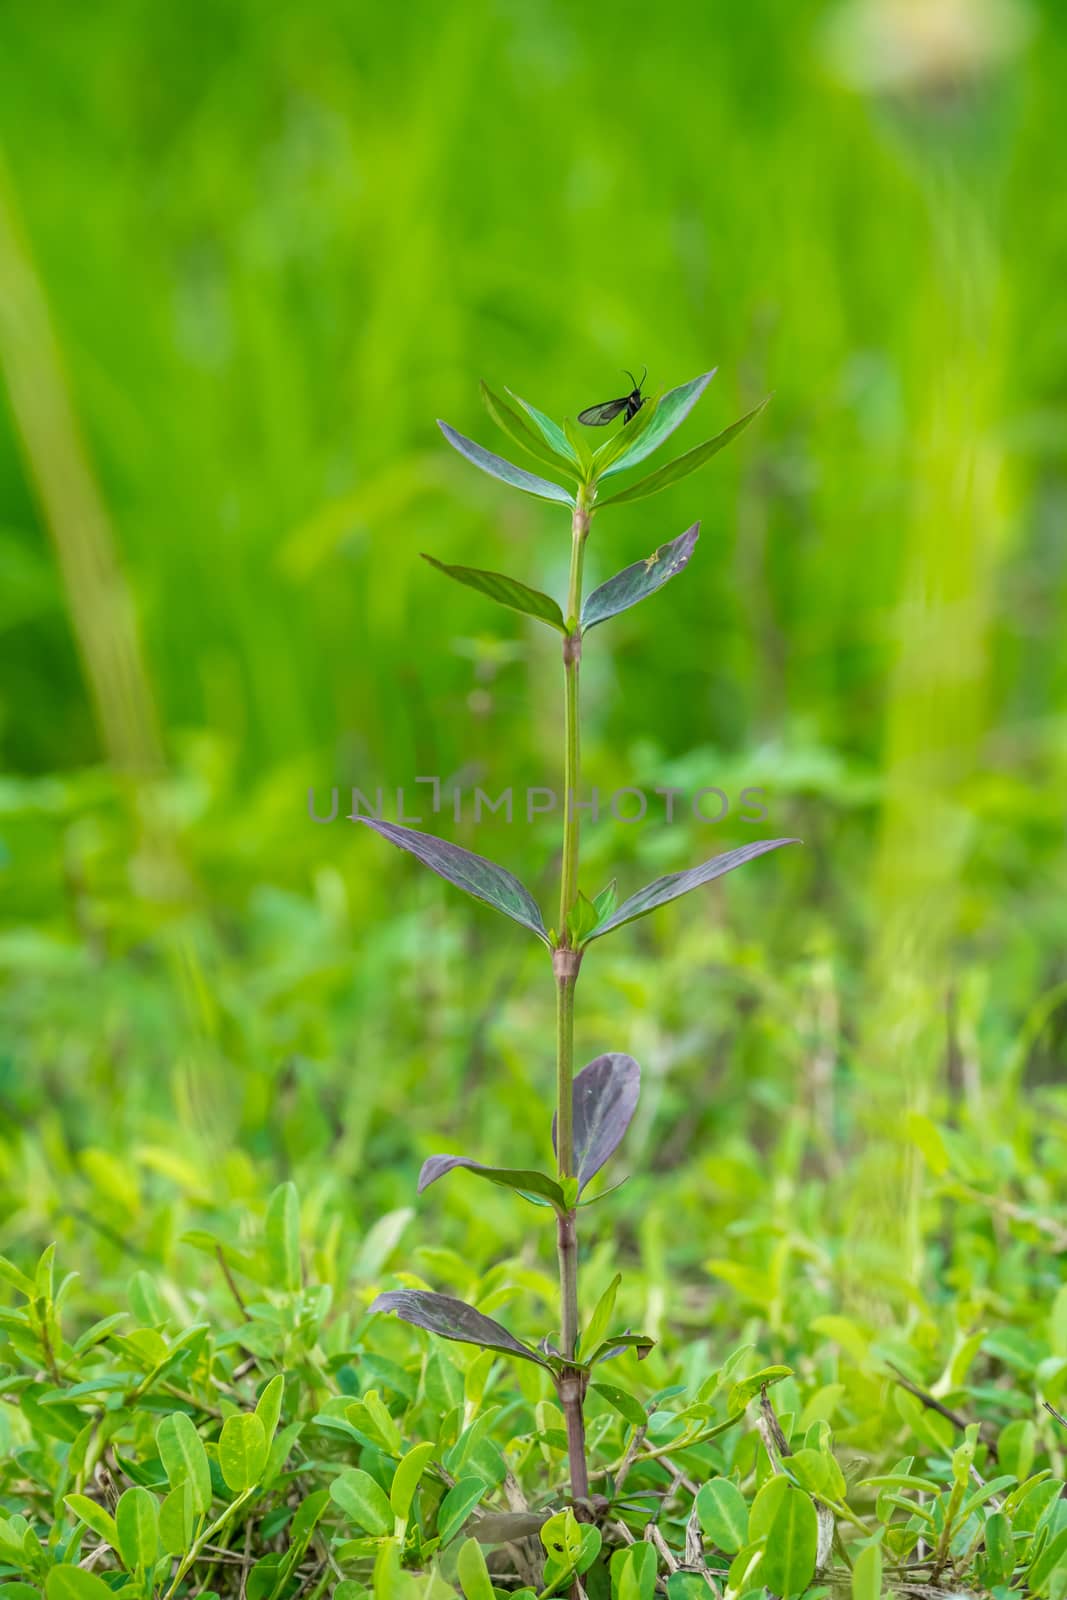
pixel 626 589
pixel 484 880
pixel 566 451
pixel 605 1097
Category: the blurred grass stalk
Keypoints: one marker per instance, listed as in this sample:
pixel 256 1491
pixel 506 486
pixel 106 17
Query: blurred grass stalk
pixel 932 66
pixel 98 595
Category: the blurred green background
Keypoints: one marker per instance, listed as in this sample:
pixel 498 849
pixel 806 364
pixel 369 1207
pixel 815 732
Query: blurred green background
pixel 248 253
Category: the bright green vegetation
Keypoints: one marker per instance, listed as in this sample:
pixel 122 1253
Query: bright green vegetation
pixel 274 244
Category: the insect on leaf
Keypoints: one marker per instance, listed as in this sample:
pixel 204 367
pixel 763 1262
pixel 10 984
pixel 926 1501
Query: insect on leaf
pixel 639 581
pixel 506 471
pixel 453 1319
pixel 482 879
pixel 605 1099
pixel 670 413
pixel 505 591
pixel 663 890
pixel 675 471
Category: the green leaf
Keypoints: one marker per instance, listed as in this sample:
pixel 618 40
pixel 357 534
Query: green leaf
pixel 458 1504
pixel 637 582
pixel 406 1478
pixel 669 414
pixel 683 1585
pixel 723 1514
pixel 672 887
pixel 580 445
pixel 137 1522
pixel 999 1549
pixel 521 1180
pixel 792 1544
pixel 269 1406
pixel 363 1501
pixel 749 1388
pixel 600 1321
pixel 571 1547
pixel 676 470
pixel 640 1343
pixel 96 1517
pixel 1016 1447
pixel 505 591
pixel 765 1507
pixel 625 439
pixel 605 902
pixel 452 1319
pixel 817 1472
pixel 9 1273
pixel 581 919
pixel 550 431
pixel 535 443
pixel 242 1451
pixel 282 1233
pixel 633 1573
pixel 383 1422
pixel 505 471
pixel 184 1458
pixel 867 1573
pixel 472 1572
pixel 627 1405
pixel 177 1521
pixel 480 878
pixel 73 1583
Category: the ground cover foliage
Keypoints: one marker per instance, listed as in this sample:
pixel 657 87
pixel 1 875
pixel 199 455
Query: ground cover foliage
pixel 273 244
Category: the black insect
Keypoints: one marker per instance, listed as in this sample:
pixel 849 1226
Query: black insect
pixel 599 416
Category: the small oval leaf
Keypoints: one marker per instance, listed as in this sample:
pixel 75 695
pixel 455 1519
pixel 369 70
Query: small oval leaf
pixel 137 1522
pixel 242 1451
pixel 723 1514
pixel 363 1500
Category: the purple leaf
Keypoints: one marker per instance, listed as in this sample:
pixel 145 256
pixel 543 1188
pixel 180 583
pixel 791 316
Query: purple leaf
pixel 523 1182
pixel 481 878
pixel 672 887
pixel 605 1099
pixel 639 581
pixel 453 1319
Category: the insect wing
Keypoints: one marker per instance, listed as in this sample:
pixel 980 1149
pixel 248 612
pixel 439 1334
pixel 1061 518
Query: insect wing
pixel 599 416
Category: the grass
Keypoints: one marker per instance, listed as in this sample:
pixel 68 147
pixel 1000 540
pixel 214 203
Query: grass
pixel 272 247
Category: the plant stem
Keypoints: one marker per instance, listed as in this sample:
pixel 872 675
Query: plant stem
pixel 565 964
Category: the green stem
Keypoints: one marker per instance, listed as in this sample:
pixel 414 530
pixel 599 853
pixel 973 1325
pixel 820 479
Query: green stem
pixel 572 656
pixel 566 962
